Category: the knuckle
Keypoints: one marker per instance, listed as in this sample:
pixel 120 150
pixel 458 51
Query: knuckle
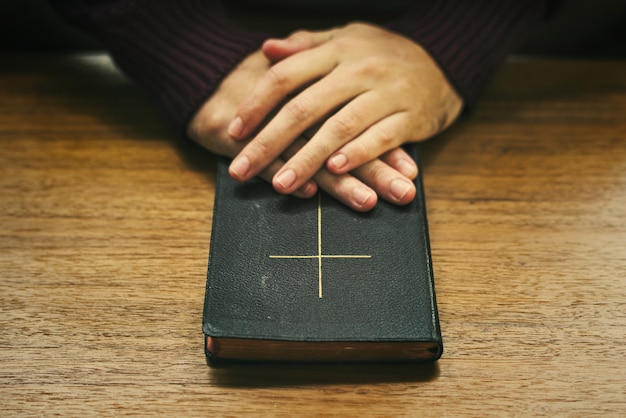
pixel 385 138
pixel 375 173
pixel 344 126
pixel 264 145
pixel 356 25
pixel 432 126
pixel 204 126
pixel 298 109
pixel 337 186
pixel 427 124
pixel 309 163
pixel 361 152
pixel 277 78
pixel 196 129
pixel 340 44
pixel 372 66
pixel 331 187
pixel 299 35
pixel 310 158
pixel 253 103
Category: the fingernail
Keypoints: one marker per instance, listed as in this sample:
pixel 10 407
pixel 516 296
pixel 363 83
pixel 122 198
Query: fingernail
pixel 361 195
pixel 240 166
pixel 399 188
pixel 407 168
pixel 236 127
pixel 339 160
pixel 286 178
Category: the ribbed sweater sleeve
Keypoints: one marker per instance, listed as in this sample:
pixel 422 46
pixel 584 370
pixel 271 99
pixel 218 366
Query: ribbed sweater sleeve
pixel 470 39
pixel 180 50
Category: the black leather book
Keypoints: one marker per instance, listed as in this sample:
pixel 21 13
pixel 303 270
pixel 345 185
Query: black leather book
pixel 310 280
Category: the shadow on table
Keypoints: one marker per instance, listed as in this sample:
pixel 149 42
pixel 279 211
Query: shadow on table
pixel 91 87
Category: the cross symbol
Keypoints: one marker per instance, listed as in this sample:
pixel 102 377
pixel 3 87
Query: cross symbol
pixel 319 256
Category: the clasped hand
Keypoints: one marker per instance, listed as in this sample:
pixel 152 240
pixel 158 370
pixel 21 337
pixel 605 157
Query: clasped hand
pixel 359 92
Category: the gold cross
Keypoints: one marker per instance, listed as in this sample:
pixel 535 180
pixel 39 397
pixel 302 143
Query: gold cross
pixel 319 256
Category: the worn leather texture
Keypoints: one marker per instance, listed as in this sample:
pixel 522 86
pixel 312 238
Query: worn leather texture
pixel 388 297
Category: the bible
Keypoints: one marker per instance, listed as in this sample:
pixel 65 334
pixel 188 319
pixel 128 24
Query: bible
pixel 310 280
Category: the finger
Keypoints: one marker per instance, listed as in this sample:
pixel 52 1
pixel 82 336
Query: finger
pixel 228 148
pixel 387 182
pixel 401 161
pixel 309 189
pixel 340 128
pixel 345 188
pixel 378 139
pixel 278 49
pixel 344 126
pixel 281 80
pixel 349 190
pixel 296 116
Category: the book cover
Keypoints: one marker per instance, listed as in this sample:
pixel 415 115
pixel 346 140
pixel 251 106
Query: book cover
pixel 310 280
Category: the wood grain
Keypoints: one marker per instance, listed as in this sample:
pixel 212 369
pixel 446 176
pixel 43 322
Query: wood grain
pixel 104 233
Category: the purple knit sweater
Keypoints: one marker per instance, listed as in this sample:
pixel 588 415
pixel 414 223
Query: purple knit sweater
pixel 181 50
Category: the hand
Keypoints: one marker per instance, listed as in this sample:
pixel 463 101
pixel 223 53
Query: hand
pixel 371 90
pixel 208 127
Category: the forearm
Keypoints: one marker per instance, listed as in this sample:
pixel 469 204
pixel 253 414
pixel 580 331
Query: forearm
pixel 179 50
pixel 469 40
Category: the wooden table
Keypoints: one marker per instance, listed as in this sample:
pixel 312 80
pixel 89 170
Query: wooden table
pixel 105 222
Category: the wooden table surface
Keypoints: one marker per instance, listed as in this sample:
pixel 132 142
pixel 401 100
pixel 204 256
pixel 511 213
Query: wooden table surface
pixel 105 221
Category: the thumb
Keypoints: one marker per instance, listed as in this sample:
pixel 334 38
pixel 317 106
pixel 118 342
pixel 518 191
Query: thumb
pixel 278 49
